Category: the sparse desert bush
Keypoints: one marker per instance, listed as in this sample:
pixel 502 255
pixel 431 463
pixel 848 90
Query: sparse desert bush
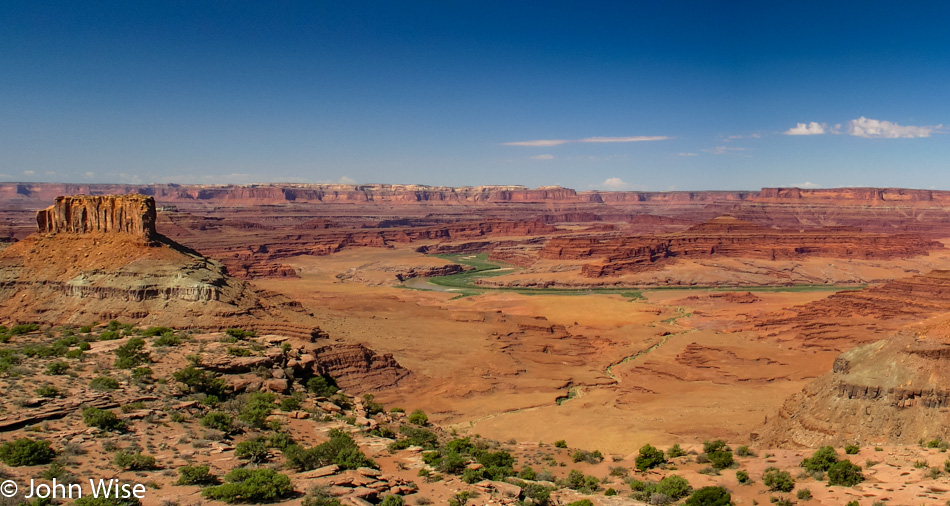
pixel 744 451
pixel 196 475
pixel 131 354
pixel 418 417
pixel 340 450
pixel 254 450
pixel 47 391
pixel 821 460
pixel 133 461
pixel 709 496
pixel 845 473
pixel 649 458
pixel 240 333
pixel 26 452
pixel 560 443
pixel 218 420
pixel 257 408
pixel 200 381
pixel 253 486
pixel 57 368
pixel 675 451
pixel 103 383
pixel 102 419
pixel 743 477
pixel 852 449
pixel 778 480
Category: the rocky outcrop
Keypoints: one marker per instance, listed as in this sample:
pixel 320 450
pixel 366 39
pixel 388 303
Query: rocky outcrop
pixel 889 392
pixel 110 214
pixel 356 368
pixel 730 237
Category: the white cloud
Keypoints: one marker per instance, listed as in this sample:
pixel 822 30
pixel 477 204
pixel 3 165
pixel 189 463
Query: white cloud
pixel 346 180
pixel 640 138
pixel 755 135
pixel 615 184
pixel 558 142
pixel 813 128
pixel 90 174
pixel 722 150
pixel 542 157
pixel 29 172
pixel 879 129
pixel 687 154
pixel 806 184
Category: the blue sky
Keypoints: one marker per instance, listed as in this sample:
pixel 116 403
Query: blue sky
pixel 609 95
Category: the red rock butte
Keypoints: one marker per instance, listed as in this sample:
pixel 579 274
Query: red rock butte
pixel 125 214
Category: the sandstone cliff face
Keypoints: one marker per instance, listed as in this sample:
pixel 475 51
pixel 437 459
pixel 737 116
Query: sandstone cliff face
pixel 888 392
pixel 80 214
pixel 730 237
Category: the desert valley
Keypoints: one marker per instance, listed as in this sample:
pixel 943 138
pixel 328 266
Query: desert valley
pixel 559 331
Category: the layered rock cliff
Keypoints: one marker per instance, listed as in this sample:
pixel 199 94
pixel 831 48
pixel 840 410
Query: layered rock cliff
pixel 123 214
pixel 893 391
pixel 729 237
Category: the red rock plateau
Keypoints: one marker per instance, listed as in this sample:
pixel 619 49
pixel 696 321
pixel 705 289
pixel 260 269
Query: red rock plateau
pixel 100 258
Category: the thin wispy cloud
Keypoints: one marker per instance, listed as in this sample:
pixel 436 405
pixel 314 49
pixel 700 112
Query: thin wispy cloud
pixel 806 184
pixel 542 157
pixel 867 128
pixel 813 128
pixel 755 135
pixel 687 154
pixel 879 129
pixel 558 142
pixel 723 150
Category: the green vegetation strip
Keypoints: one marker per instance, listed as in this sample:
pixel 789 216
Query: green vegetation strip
pixel 466 282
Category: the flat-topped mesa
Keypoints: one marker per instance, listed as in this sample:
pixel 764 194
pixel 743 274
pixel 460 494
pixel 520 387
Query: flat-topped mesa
pixel 82 214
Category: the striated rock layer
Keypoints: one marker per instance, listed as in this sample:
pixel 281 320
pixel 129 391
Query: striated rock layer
pixel 730 237
pixel 893 391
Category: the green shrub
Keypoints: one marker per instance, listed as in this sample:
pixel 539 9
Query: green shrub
pixel 674 487
pixel 103 383
pixel 157 331
pixel 290 404
pixel 319 496
pixel 257 408
pixel 709 496
pixel 804 494
pixel 237 351
pixel 778 480
pixel 133 461
pixel 280 440
pixel 251 486
pixel 323 386
pixel 102 419
pixel 744 451
pixel 576 480
pixel 109 335
pixel 142 373
pixel 714 446
pixel 845 473
pixel 196 475
pixel 254 450
pixel 23 329
pixel 720 459
pixel 57 368
pixel 582 502
pixel 26 452
pixel 392 500
pixel 415 436
pixel 200 381
pixel 240 333
pixel 47 391
pixel 340 450
pixel 131 354
pixel 852 449
pixel 675 451
pixel 590 457
pixel 743 477
pixel 821 460
pixel 218 420
pixel 560 443
pixel 649 458
pixel 84 346
pixel 371 406
pixel 418 417
pixel 85 329
pixel 167 339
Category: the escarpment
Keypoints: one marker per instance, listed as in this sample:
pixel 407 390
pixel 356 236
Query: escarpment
pixel 892 391
pixel 730 237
